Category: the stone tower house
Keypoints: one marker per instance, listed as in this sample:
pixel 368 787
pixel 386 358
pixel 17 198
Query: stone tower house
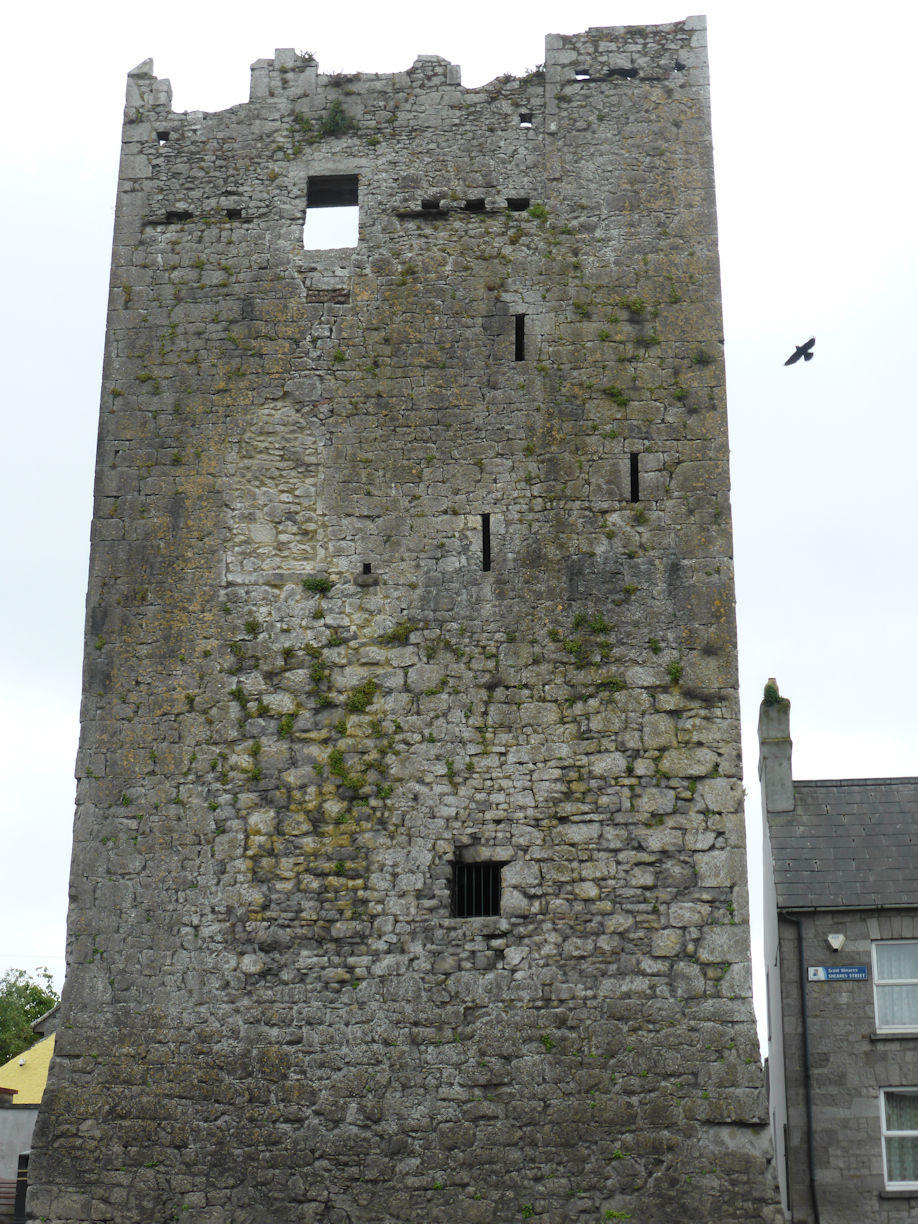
pixel 409 878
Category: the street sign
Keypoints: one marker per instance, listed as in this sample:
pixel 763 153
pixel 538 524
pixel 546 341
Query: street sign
pixel 836 973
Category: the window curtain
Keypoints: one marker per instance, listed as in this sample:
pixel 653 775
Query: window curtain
pixel 897 960
pixel 897 1005
pixel 901 1150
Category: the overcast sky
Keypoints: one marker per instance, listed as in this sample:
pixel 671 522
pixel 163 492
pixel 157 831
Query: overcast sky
pixel 814 130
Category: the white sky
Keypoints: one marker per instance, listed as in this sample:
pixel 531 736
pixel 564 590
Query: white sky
pixel 814 128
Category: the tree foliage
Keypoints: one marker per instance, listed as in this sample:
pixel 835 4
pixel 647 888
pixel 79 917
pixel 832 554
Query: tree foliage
pixel 23 998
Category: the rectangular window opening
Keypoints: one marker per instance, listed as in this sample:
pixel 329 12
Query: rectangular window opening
pixel 517 203
pixel 519 337
pixel 332 212
pixel 163 138
pixel 476 205
pixel 234 214
pixel 476 890
pixel 430 203
pixel 486 542
pixel 899 1118
pixel 582 74
pixel 635 478
pixel 525 119
pixel 174 216
pixel 367 567
pixel 895 985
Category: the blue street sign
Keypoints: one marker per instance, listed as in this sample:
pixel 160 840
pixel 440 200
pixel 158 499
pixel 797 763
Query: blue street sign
pixel 836 973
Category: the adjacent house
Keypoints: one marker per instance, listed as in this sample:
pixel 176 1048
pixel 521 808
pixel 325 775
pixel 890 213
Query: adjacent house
pixel 841 944
pixel 22 1085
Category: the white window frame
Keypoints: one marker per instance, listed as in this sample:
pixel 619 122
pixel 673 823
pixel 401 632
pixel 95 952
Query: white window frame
pixel 892 1134
pixel 880 983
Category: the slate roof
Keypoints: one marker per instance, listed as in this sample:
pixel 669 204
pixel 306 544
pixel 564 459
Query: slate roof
pixel 848 843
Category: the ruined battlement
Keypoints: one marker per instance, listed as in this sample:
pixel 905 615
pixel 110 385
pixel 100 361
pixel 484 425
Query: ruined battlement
pixel 409 876
pixel 648 53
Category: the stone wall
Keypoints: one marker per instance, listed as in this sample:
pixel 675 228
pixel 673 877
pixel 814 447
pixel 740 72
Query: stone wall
pixel 850 1064
pixel 404 555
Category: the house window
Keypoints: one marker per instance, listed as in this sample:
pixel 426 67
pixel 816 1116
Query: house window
pixel 895 984
pixel 332 212
pixel 899 1119
pixel 476 890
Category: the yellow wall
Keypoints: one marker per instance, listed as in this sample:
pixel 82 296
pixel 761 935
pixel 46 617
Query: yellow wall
pixel 30 1078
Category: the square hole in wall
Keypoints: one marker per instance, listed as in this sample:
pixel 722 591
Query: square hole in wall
pixel 332 212
pixel 476 890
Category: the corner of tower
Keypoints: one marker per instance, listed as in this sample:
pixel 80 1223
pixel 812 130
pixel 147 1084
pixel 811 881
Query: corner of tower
pixel 145 91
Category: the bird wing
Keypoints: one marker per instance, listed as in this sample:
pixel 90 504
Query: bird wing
pixel 802 350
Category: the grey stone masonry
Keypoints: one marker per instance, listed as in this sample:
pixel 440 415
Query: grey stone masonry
pixel 412 573
pixel 841 876
pixel 850 1063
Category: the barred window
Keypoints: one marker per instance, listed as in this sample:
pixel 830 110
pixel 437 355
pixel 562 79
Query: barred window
pixel 476 890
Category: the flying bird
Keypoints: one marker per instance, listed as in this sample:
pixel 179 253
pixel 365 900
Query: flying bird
pixel 802 350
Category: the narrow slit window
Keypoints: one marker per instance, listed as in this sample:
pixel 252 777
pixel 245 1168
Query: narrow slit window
pixel 635 478
pixel 476 890
pixel 519 337
pixel 525 119
pixel 486 542
pixel 332 212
